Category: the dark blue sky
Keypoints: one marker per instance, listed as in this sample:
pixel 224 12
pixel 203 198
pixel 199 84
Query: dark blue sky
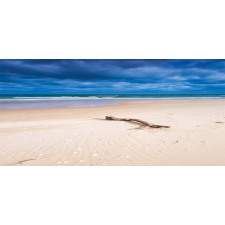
pixel 66 76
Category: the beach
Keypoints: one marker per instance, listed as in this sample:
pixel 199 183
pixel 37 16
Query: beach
pixel 82 136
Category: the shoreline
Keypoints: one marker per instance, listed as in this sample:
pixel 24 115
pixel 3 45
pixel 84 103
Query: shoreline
pixel 82 136
pixel 114 103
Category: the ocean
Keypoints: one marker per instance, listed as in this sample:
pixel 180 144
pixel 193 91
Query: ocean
pixel 71 101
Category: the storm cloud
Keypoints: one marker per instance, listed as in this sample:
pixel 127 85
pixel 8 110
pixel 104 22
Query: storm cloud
pixel 57 76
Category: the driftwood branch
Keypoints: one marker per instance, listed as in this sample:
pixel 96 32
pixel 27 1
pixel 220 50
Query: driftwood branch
pixel 141 123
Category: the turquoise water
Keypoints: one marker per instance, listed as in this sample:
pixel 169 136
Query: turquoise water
pixel 70 101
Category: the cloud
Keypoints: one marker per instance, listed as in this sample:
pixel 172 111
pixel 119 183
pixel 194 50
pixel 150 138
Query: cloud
pixel 144 76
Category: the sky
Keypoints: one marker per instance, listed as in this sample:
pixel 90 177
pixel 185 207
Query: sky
pixel 119 76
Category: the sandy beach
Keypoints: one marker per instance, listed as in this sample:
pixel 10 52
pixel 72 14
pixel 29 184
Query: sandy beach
pixel 82 136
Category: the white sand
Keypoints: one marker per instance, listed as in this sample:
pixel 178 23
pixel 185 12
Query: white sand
pixel 82 137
